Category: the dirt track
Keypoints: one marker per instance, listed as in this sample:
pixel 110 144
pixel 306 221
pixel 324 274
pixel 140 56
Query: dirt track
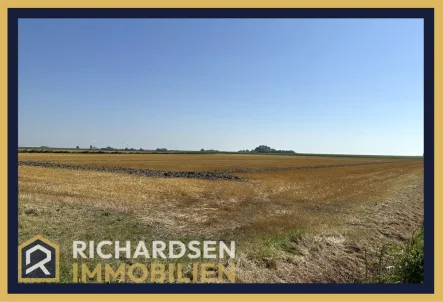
pixel 213 174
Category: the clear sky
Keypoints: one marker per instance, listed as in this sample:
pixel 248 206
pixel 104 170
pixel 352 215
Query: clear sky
pixel 309 85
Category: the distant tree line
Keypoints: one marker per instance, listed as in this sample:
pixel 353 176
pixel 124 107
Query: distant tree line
pixel 259 149
pixel 209 150
pixel 266 149
pixel 109 148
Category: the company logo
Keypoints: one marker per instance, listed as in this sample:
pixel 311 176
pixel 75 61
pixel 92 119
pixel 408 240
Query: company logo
pixel 38 261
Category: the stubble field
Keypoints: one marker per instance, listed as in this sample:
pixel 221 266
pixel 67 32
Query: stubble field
pixel 290 225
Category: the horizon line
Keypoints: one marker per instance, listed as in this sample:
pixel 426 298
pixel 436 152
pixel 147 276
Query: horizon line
pixel 213 151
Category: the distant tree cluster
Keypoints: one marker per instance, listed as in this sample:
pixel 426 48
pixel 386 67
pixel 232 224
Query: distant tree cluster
pixel 209 150
pixel 161 150
pixel 109 148
pixel 266 149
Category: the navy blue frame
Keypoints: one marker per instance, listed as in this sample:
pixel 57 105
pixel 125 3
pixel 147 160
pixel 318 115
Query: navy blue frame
pixel 427 14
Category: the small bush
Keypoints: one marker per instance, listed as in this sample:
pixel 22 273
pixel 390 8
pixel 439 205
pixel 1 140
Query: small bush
pixel 410 267
pixel 399 263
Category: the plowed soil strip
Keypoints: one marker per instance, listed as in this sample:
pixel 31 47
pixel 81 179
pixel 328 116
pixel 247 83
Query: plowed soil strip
pixel 214 174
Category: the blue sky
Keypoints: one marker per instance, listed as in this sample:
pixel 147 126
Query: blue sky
pixel 350 86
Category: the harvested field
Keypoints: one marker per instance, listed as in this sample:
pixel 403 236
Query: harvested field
pixel 193 162
pixel 214 174
pixel 139 172
pixel 290 224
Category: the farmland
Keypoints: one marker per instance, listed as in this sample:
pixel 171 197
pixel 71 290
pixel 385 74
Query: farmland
pixel 193 162
pixel 294 218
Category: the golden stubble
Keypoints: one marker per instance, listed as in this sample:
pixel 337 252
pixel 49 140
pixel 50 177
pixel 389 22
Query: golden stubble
pixel 336 213
pixel 192 162
pixel 266 203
